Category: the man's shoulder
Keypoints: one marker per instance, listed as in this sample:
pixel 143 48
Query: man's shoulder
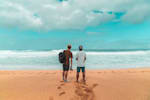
pixel 80 52
pixel 68 51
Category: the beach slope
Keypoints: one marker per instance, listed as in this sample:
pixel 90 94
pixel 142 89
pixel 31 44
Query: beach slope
pixel 125 84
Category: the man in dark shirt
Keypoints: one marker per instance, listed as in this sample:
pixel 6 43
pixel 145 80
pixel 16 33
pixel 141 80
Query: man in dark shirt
pixel 67 65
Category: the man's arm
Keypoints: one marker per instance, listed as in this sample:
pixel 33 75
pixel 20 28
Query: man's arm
pixel 71 62
pixel 84 57
pixel 77 56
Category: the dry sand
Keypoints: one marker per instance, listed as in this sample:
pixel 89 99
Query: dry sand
pixel 125 84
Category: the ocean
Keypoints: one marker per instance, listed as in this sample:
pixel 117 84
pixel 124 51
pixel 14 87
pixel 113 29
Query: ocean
pixel 96 59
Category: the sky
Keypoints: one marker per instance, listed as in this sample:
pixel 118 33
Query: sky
pixel 95 24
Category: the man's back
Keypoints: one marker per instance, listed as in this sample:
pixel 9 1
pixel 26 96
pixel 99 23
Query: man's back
pixel 81 56
pixel 68 55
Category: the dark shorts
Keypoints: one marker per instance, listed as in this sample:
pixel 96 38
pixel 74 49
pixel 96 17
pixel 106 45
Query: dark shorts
pixel 65 67
pixel 80 68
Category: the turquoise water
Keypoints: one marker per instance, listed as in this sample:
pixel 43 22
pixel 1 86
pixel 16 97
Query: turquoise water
pixel 96 59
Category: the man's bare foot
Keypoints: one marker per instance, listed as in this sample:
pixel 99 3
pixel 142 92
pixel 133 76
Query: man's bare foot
pixel 84 80
pixel 66 81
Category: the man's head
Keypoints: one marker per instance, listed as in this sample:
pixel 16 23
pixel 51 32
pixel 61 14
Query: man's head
pixel 80 47
pixel 69 46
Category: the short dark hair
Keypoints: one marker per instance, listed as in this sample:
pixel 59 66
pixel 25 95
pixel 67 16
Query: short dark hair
pixel 80 47
pixel 69 46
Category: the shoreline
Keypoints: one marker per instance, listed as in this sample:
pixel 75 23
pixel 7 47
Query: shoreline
pixel 120 84
pixel 121 69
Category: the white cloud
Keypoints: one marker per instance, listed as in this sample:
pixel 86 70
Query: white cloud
pixel 137 14
pixel 71 14
pixel 15 15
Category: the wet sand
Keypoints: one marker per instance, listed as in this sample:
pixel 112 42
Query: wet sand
pixel 124 84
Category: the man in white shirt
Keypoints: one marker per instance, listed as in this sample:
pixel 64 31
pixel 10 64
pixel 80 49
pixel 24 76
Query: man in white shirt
pixel 81 58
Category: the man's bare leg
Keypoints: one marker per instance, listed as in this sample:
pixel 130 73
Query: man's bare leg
pixel 83 74
pixel 63 75
pixel 66 75
pixel 77 76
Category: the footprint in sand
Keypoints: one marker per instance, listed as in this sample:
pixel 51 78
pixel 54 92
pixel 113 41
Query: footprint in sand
pixel 59 87
pixel 143 71
pixel 84 92
pixel 129 72
pixel 113 71
pixel 83 86
pixel 99 72
pixel 95 85
pixel 62 93
pixel 62 84
pixel 49 73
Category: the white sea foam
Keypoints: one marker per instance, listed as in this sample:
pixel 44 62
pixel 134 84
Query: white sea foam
pixel 29 53
pixel 95 59
pixel 117 53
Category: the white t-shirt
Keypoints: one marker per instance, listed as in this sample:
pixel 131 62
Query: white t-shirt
pixel 81 55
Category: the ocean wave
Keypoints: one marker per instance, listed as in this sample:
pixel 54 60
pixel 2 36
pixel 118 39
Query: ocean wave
pixel 30 53
pixel 118 53
pixel 9 53
pixel 30 59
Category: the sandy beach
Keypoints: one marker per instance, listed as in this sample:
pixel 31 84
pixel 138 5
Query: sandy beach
pixel 124 84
